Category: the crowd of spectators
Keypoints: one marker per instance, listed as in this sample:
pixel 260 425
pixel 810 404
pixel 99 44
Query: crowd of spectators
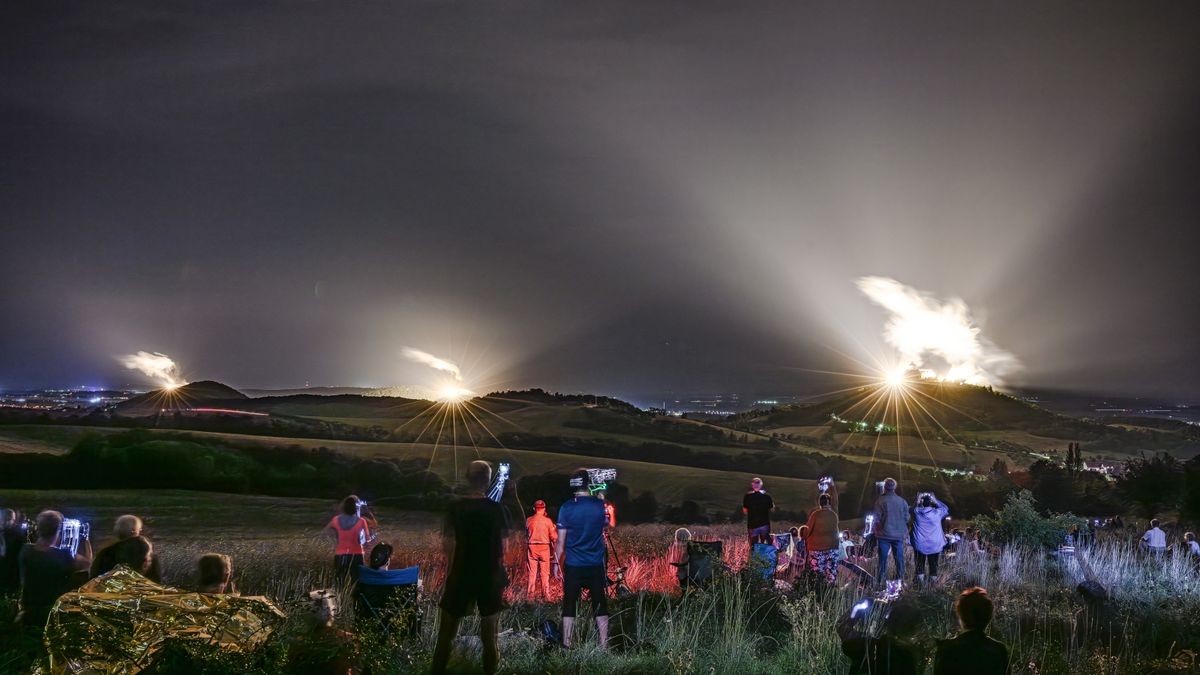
pixel 36 568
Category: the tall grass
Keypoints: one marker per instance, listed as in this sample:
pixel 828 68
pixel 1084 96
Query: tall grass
pixel 743 625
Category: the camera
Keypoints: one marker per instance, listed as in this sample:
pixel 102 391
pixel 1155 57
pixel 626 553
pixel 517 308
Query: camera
pixel 879 486
pixel 824 482
pixel 598 479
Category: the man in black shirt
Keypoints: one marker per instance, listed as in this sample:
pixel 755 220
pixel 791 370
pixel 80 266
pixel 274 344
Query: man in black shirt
pixel 473 538
pixel 47 572
pixel 757 505
pixel 972 652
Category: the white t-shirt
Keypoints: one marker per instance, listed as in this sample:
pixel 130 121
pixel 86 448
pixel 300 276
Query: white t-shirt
pixel 1155 538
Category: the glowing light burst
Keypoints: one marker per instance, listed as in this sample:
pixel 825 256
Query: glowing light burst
pixel 929 333
pixel 156 366
pixel 455 416
pixel 453 394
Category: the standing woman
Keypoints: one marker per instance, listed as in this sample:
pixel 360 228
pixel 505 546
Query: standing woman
pixel 351 531
pixel 928 540
pixel 822 539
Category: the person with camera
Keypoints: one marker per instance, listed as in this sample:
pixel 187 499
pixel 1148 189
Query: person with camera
pixel 823 529
pixel 758 505
pixel 350 532
pixel 928 539
pixel 891 529
pixel 48 571
pixel 972 652
pixel 473 535
pixel 891 652
pixel 580 554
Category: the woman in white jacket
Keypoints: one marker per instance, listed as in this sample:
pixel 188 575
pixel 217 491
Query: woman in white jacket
pixel 927 537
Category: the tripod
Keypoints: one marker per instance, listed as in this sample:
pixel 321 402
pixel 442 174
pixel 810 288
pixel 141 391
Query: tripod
pixel 620 589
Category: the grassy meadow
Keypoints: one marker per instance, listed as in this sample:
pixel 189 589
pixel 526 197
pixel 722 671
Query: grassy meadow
pixel 739 625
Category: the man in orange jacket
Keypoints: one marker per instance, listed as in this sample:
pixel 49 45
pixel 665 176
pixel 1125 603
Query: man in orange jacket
pixel 541 537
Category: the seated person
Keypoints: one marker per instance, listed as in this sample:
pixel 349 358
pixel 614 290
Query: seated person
pixel 972 652
pixel 799 559
pixel 47 571
pixel 128 527
pixel 386 595
pixel 1193 546
pixel 322 649
pixel 138 554
pixel 214 574
pixel 889 654
pixel 677 556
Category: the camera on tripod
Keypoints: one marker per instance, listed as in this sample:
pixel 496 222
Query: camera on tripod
pixel 597 480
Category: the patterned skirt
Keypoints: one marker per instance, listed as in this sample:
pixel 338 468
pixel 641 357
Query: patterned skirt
pixel 824 563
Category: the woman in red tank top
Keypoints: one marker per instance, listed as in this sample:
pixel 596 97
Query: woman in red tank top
pixel 351 531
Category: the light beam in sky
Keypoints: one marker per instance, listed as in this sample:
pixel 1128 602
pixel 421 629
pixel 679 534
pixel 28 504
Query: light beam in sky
pixel 940 339
pixel 156 366
pixel 425 358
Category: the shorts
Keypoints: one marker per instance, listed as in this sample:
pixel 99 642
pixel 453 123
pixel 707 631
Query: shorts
pixel 575 579
pixel 464 594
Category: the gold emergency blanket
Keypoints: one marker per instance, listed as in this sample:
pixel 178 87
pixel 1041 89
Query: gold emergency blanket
pixel 116 622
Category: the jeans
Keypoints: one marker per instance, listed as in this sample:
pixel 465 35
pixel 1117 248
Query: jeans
pixel 760 534
pixel 897 549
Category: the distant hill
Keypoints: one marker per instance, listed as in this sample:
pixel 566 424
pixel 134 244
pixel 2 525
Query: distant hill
pixel 402 391
pixel 944 426
pixel 932 404
pixel 191 395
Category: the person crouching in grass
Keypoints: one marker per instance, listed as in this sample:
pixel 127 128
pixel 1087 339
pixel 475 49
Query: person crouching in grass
pixel 473 540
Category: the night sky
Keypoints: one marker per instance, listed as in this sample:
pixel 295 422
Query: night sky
pixel 608 197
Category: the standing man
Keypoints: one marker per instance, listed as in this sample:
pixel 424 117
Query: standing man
pixel 758 505
pixel 541 536
pixel 12 540
pixel 473 540
pixel 580 555
pixel 892 528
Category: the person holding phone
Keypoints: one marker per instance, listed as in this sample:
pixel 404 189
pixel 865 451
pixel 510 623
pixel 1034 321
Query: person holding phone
pixel 48 571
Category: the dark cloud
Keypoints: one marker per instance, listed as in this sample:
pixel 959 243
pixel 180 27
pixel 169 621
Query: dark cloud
pixel 611 197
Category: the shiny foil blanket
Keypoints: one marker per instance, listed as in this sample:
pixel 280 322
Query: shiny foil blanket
pixel 116 623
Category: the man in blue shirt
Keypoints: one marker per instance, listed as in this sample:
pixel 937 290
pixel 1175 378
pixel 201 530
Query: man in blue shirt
pixel 580 554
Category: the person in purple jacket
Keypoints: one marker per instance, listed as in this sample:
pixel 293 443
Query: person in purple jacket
pixel 928 539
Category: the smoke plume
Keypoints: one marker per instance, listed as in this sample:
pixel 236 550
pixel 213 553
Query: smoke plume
pixel 940 339
pixel 156 366
pixel 425 358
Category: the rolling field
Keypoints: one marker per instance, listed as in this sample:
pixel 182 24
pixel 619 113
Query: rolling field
pixel 671 484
